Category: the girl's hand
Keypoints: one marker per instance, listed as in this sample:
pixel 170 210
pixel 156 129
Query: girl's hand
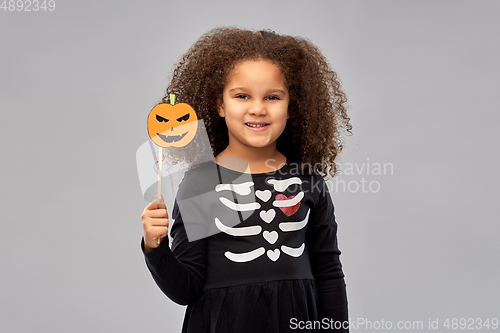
pixel 155 224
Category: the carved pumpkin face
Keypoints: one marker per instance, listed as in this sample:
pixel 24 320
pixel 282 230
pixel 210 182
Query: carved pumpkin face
pixel 172 125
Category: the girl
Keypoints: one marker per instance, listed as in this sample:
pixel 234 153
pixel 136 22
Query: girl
pixel 267 262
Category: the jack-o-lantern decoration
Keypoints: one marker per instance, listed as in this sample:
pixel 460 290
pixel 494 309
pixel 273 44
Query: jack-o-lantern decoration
pixel 172 125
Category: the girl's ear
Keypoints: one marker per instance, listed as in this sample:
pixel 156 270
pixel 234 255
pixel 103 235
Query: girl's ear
pixel 220 108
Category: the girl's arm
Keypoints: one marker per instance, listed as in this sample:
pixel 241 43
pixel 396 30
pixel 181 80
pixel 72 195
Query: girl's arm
pixel 180 271
pixel 325 258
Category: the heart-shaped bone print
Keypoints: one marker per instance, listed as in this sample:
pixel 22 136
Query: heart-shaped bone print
pixel 273 255
pixel 271 237
pixel 267 216
pixel 288 210
pixel 263 195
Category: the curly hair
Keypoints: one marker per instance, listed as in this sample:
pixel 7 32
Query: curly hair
pixel 317 106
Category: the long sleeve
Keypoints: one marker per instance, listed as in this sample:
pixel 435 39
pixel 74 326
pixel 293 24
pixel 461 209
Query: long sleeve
pixel 179 272
pixel 325 258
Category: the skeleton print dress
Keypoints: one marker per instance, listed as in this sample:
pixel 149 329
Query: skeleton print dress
pixel 252 252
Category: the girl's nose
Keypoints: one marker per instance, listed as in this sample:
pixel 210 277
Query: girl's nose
pixel 257 108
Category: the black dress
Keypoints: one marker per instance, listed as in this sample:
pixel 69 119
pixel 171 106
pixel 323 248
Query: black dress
pixel 253 253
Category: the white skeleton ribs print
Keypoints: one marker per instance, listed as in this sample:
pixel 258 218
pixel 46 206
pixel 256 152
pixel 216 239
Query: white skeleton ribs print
pixel 284 207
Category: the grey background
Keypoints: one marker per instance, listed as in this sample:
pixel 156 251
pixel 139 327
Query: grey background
pixel 75 90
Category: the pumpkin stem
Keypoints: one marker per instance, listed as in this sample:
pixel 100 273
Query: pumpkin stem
pixel 172 99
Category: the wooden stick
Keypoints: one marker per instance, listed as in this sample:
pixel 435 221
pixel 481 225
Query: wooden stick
pixel 160 164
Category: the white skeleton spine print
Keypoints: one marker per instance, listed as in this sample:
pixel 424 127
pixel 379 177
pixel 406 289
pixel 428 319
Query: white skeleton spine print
pixel 283 205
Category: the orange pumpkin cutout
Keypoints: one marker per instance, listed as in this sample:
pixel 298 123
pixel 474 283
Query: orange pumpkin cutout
pixel 172 125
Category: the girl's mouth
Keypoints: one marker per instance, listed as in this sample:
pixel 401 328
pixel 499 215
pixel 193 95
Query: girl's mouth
pixel 256 125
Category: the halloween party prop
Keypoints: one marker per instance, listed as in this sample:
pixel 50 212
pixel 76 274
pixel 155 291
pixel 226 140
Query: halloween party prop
pixel 172 125
pixel 176 137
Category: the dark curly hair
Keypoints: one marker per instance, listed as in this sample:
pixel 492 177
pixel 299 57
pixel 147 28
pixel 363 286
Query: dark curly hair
pixel 317 107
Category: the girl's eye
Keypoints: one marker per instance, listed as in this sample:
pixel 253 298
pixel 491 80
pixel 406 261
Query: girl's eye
pixel 241 96
pixel 272 98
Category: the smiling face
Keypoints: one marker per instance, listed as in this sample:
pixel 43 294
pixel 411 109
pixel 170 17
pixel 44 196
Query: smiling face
pixel 255 105
pixel 172 125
